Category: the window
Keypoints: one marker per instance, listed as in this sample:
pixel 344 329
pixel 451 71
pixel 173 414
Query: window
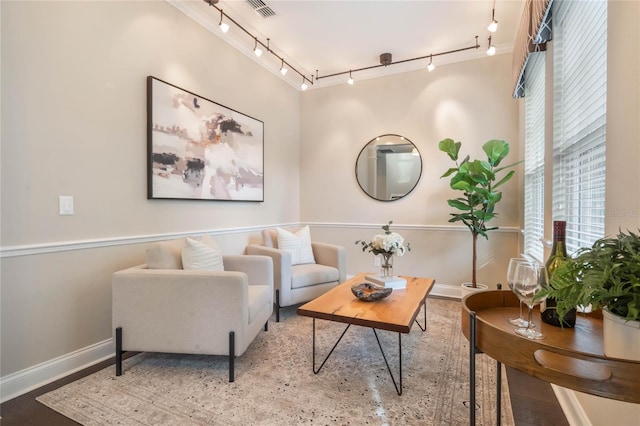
pixel 534 132
pixel 579 132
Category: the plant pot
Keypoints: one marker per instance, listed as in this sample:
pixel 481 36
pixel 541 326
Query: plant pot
pixel 466 288
pixel 621 337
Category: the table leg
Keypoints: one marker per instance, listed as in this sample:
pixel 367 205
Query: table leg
pixel 424 307
pixel 398 388
pixel 472 369
pixel 498 392
pixel 330 352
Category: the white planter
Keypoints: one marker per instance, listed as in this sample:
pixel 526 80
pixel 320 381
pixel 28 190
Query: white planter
pixel 621 338
pixel 466 289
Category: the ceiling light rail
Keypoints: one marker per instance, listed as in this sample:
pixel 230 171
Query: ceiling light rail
pixel 385 60
pixel 258 43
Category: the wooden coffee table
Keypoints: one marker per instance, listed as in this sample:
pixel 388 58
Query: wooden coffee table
pixel 397 313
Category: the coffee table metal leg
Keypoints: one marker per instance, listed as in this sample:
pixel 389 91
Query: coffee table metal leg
pixel 424 309
pixel 330 352
pixel 398 388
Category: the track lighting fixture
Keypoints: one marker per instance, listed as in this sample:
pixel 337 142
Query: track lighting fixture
pixel 256 49
pixel 493 26
pixel 258 45
pixel 491 50
pixel 224 27
pixel 385 60
pixel 431 67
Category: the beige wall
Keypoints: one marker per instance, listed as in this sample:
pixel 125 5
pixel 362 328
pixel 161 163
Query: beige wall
pixel 623 117
pixel 73 123
pixel 470 102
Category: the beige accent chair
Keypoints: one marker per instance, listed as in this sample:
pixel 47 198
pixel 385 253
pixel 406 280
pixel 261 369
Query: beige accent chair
pixel 295 284
pixel 160 307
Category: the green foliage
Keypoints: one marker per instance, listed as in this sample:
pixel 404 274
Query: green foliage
pixel 607 274
pixel 478 181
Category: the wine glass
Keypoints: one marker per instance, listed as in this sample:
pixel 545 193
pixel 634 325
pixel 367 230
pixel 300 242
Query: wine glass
pixel 526 285
pixel 511 270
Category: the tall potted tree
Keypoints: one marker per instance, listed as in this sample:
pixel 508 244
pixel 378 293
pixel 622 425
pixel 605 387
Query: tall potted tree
pixel 478 181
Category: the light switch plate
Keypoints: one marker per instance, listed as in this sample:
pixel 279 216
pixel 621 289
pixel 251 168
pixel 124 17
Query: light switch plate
pixel 65 205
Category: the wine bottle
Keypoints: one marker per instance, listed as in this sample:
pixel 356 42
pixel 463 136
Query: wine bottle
pixel 557 257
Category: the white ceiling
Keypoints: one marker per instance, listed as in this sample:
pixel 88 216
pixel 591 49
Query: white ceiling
pixel 333 36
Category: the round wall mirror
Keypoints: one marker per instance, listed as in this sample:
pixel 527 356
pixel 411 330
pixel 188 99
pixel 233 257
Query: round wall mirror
pixel 388 167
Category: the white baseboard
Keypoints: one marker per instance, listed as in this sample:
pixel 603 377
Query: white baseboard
pixel 571 407
pixel 26 380
pixel 445 290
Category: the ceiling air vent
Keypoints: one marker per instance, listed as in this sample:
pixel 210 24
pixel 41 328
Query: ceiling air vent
pixel 261 8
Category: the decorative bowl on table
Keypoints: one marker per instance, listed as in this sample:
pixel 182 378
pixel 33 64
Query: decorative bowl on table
pixel 369 292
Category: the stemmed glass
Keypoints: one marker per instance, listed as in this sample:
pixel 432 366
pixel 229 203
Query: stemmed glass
pixel 511 277
pixel 526 285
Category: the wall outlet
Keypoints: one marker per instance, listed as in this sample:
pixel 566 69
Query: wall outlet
pixel 376 261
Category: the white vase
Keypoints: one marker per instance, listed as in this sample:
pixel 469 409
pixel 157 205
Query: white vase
pixel 621 338
pixel 467 288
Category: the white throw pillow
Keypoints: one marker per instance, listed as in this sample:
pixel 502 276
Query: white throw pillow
pixel 203 254
pixel 165 255
pixel 298 244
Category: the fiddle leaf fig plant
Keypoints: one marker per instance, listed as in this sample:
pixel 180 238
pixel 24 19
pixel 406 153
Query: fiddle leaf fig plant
pixel 478 181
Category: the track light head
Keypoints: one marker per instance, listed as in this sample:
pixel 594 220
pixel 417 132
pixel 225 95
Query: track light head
pixel 283 69
pixel 493 26
pixel 224 27
pixel 491 50
pixel 431 67
pixel 303 86
pixel 256 49
pixel 350 81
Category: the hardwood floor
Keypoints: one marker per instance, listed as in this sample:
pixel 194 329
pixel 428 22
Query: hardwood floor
pixel 542 409
pixel 533 401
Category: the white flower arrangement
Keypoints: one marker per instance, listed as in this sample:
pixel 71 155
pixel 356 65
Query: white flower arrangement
pixel 389 243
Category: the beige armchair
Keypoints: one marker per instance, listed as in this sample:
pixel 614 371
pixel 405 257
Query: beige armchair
pixel 160 307
pixel 298 283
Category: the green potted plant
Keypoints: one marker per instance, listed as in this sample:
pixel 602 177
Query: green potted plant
pixel 478 181
pixel 605 276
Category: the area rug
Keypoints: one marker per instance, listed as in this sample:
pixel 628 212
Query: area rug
pixel 275 385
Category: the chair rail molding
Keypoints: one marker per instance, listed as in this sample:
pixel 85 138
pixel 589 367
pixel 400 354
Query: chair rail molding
pixel 61 246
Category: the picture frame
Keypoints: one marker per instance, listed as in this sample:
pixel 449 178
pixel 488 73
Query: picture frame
pixel 199 149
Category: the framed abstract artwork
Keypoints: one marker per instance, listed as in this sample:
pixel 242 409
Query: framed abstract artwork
pixel 201 150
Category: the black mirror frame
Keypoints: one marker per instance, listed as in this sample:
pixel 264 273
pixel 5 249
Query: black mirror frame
pixel 373 140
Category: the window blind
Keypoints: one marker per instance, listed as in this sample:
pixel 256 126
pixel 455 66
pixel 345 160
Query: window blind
pixel 534 31
pixel 580 76
pixel 534 132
